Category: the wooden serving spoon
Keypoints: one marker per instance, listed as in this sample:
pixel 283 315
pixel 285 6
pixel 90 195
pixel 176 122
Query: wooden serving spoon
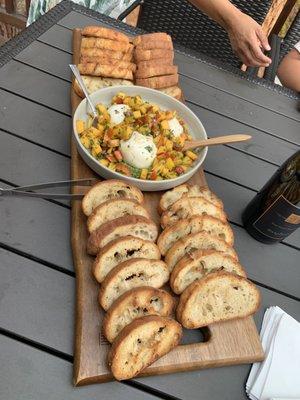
pixel 217 140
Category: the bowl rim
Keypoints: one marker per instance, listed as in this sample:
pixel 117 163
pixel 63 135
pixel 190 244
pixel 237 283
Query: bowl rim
pixel 155 92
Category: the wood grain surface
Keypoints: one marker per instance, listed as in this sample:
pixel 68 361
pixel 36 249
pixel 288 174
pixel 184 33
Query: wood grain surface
pixel 227 343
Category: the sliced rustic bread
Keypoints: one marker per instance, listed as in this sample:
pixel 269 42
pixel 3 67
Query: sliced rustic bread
pixel 188 207
pixel 186 226
pixel 200 263
pixel 158 70
pixel 150 37
pixel 108 71
pixel 112 209
pixel 94 83
pixel 185 190
pixel 154 54
pixel 106 44
pixel 133 225
pixel 108 190
pixel 154 63
pixel 173 91
pixel 120 250
pixel 106 33
pixel 136 303
pixel 130 274
pixel 158 82
pixel 196 241
pixel 219 296
pixel 141 343
pixel 116 55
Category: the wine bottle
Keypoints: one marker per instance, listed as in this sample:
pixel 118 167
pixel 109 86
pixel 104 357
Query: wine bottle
pixel 274 213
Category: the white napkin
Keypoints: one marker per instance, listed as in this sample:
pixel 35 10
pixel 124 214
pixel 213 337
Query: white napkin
pixel 278 376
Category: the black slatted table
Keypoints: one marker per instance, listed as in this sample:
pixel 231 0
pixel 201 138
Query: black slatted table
pixel 37 276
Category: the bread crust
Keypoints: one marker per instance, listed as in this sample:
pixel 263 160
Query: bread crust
pixel 155 44
pixel 106 53
pixel 107 71
pixel 109 63
pixel 100 214
pixel 106 44
pixel 158 70
pixel 197 285
pixel 154 54
pixel 173 91
pixel 127 243
pixel 158 82
pixel 150 37
pixel 135 266
pixel 197 241
pixel 186 226
pixel 187 262
pixel 107 232
pixel 105 33
pixel 140 298
pixel 115 188
pixel 168 60
pixel 137 325
pixel 191 206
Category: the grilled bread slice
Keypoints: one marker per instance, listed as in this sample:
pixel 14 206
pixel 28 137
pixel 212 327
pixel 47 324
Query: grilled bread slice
pixel 151 37
pixel 108 71
pixel 94 83
pixel 106 44
pixel 188 207
pixel 154 54
pixel 196 241
pixel 112 209
pixel 136 303
pixel 202 262
pixel 132 225
pixel 154 63
pixel 111 54
pixel 108 190
pixel 109 62
pixel 131 274
pixel 120 250
pixel 219 296
pixel 156 44
pixel 173 91
pixel 171 196
pixel 186 226
pixel 158 70
pixel 158 82
pixel 105 33
pixel 141 343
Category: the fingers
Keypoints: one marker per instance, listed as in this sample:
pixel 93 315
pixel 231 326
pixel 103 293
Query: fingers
pixel 263 39
pixel 244 52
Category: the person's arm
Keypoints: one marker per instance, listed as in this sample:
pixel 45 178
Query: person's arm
pixel 246 35
pixel 289 70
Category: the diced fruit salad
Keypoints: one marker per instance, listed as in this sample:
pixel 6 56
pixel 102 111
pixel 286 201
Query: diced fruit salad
pixel 137 139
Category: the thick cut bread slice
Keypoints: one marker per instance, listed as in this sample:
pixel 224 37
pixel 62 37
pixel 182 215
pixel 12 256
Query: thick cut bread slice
pixel 120 250
pixel 150 37
pixel 106 62
pixel 112 209
pixel 131 274
pixel 217 297
pixel 141 343
pixel 136 303
pixel 158 70
pixel 146 55
pixel 155 44
pixel 105 33
pixel 133 225
pixel 94 83
pixel 189 207
pixel 106 44
pixel 158 82
pixel 186 226
pixel 171 196
pixel 111 54
pixel 108 71
pixel 108 190
pixel 156 62
pixel 173 91
pixel 202 262
pixel 197 241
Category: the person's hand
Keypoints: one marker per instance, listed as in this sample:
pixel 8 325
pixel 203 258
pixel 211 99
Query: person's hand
pixel 248 40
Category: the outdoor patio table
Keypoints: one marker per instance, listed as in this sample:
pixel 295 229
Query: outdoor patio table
pixel 37 277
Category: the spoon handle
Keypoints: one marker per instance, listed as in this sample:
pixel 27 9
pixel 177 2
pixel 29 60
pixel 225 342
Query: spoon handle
pixel 217 140
pixel 83 87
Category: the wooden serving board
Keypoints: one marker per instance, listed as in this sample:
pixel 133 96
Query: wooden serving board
pixel 227 343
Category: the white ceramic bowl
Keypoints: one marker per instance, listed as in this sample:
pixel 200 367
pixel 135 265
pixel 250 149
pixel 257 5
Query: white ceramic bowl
pixel 104 96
